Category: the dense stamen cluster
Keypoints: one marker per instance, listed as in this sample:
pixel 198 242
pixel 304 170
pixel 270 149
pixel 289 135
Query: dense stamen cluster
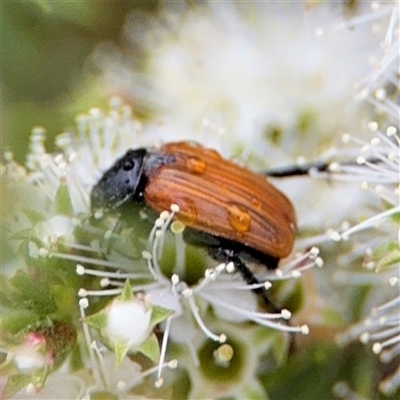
pixel 177 295
pixel 378 170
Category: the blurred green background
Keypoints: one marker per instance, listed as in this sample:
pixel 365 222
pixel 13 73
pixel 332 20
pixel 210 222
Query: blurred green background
pixel 47 78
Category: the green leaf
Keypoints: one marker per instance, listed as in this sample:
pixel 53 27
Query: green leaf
pixel 34 216
pixel 150 348
pixel 383 249
pixel 15 321
pixel 39 377
pixel 63 201
pixel 97 320
pixel 22 234
pixel 280 348
pixel 76 361
pixel 5 291
pixel 8 367
pixel 126 294
pixel 391 258
pixel 32 295
pixel 15 383
pixel 120 350
pixel 65 298
pixel 159 314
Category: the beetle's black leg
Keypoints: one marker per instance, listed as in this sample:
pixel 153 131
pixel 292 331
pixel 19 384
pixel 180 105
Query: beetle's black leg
pixel 220 249
pixel 248 276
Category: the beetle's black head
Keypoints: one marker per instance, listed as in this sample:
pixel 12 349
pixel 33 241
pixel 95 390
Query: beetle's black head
pixel 124 181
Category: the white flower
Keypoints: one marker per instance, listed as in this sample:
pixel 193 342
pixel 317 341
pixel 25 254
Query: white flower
pixel 51 230
pixel 28 359
pixel 381 250
pixel 128 321
pixel 230 298
pixel 376 238
pixel 253 73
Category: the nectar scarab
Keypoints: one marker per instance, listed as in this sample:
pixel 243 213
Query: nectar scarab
pixel 233 211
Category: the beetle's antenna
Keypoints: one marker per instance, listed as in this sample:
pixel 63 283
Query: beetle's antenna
pixel 298 169
pixel 310 168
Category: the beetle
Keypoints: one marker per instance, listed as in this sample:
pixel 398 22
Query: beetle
pixel 238 214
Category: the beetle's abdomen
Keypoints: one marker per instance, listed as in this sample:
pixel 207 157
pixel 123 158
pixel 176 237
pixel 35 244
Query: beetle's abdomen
pixel 223 199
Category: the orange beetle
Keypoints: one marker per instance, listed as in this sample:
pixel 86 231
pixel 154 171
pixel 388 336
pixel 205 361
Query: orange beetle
pixel 236 213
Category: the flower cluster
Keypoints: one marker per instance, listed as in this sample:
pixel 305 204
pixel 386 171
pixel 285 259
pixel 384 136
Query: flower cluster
pixel 376 239
pixel 378 171
pixel 144 293
pixel 262 77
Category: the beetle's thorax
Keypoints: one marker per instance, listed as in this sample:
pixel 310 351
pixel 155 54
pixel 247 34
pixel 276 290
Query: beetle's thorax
pixel 153 161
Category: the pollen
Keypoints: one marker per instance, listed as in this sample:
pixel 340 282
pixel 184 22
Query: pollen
pixel 224 353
